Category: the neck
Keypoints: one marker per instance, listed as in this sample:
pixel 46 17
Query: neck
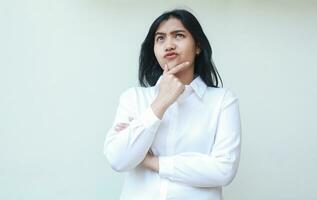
pixel 186 76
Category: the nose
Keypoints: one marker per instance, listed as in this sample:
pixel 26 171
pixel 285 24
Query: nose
pixel 169 46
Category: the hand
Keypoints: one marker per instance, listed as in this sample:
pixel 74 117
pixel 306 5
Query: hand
pixel 170 86
pixel 170 89
pixel 151 162
pixel 121 126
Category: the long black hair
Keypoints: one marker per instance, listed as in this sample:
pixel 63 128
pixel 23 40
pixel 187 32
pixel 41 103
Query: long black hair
pixel 149 68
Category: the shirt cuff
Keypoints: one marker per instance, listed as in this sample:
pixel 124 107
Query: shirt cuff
pixel 166 166
pixel 149 119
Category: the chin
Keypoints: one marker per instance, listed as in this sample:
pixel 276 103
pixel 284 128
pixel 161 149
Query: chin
pixel 173 63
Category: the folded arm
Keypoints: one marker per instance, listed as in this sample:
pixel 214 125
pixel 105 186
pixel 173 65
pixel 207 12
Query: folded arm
pixel 125 148
pixel 217 168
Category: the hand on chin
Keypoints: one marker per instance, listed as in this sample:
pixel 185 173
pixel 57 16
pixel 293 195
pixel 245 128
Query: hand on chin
pixel 171 64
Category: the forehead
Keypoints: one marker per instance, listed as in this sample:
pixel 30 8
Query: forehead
pixel 170 25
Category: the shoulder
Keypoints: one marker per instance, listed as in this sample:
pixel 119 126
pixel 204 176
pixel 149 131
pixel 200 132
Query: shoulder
pixel 133 92
pixel 229 94
pixel 225 95
pixel 223 91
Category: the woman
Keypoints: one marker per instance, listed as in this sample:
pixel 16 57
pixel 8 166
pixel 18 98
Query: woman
pixel 178 135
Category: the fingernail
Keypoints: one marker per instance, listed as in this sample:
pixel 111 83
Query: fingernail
pixel 187 63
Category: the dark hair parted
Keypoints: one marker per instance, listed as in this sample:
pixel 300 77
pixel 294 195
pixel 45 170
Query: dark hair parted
pixel 149 68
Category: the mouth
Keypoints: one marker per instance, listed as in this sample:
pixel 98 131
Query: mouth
pixel 170 56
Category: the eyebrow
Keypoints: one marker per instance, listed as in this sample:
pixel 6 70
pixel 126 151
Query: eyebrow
pixel 173 32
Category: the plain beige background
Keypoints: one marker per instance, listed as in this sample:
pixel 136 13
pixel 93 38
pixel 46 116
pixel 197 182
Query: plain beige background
pixel 63 65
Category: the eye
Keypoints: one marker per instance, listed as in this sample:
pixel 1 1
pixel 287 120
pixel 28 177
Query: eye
pixel 159 38
pixel 179 35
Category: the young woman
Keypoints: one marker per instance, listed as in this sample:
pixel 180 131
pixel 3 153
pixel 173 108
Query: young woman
pixel 177 135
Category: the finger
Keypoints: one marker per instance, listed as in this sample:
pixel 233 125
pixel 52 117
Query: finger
pixel 150 152
pixel 118 129
pixel 122 124
pixel 179 68
pixel 165 69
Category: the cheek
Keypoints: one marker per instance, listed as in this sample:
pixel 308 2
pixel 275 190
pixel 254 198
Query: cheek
pixel 188 48
pixel 158 54
pixel 190 53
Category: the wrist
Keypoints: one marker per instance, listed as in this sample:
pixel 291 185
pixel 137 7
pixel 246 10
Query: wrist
pixel 159 107
pixel 154 163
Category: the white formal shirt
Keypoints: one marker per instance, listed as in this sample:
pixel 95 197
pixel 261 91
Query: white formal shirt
pixel 197 142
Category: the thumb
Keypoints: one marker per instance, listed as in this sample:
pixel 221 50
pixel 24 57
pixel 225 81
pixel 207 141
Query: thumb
pixel 165 69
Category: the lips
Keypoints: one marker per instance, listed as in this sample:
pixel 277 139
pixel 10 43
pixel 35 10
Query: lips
pixel 170 55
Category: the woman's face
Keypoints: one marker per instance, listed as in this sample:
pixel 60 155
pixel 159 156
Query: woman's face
pixel 173 44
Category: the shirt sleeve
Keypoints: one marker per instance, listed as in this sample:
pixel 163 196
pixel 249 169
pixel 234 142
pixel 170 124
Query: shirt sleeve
pixel 220 166
pixel 126 149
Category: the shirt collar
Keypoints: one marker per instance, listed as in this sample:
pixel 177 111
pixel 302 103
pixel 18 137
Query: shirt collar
pixel 198 85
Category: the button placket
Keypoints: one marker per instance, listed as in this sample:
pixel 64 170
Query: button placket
pixel 173 128
pixel 169 135
pixel 170 150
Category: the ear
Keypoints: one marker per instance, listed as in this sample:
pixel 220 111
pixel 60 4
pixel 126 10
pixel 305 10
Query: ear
pixel 198 50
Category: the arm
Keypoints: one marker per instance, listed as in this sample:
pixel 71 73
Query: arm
pixel 126 149
pixel 218 168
